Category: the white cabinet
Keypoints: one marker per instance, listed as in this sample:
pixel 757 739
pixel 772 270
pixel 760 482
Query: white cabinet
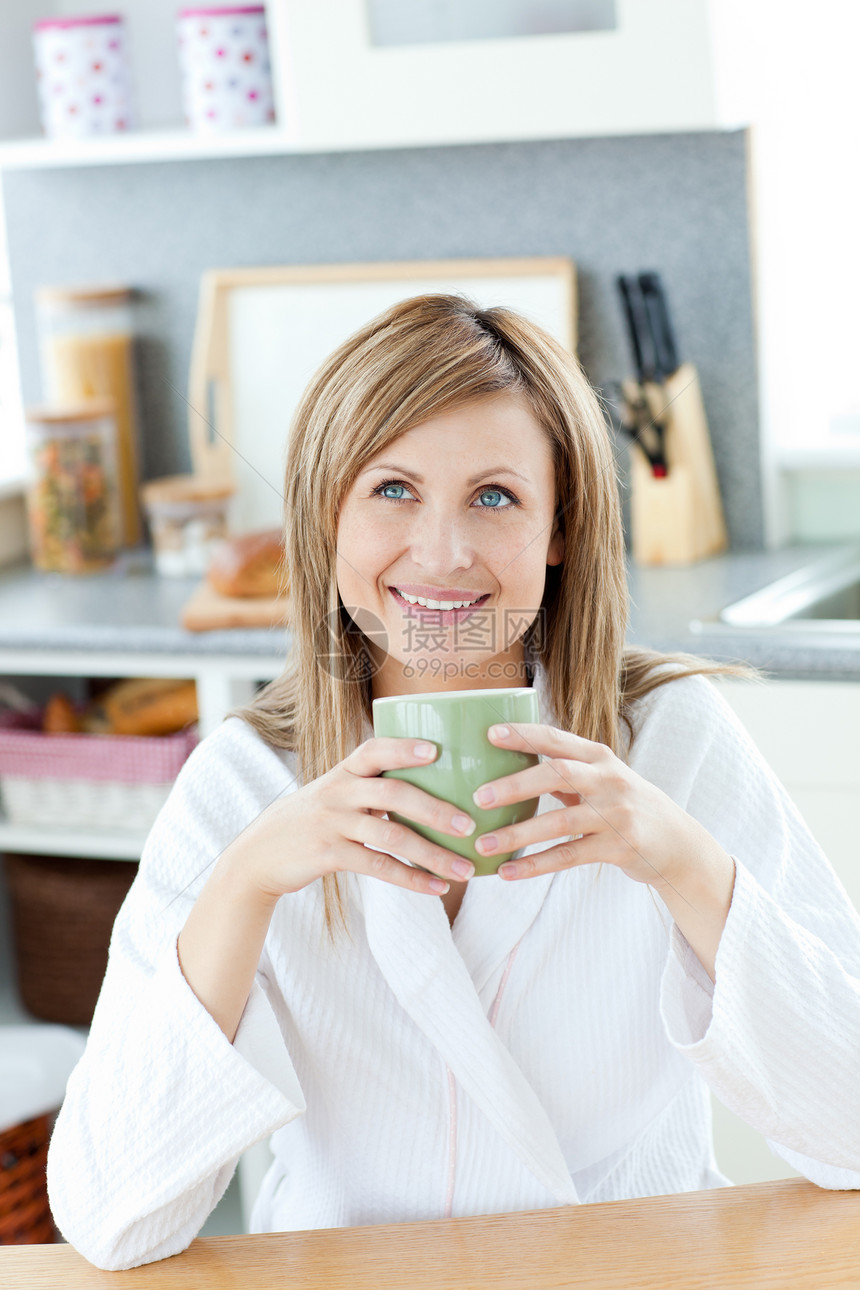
pixel 807 731
pixel 665 66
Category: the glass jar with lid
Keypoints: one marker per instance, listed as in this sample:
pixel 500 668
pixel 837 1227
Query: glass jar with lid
pixel 87 352
pixel 73 500
pixel 188 519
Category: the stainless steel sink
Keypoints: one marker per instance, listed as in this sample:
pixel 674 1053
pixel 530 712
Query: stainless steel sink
pixel 822 597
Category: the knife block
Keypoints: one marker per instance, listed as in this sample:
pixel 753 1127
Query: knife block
pixel 677 519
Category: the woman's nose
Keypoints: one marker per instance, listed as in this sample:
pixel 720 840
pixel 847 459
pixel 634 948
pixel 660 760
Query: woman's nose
pixel 442 538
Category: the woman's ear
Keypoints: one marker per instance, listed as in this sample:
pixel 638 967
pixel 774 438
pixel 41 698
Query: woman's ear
pixel 555 551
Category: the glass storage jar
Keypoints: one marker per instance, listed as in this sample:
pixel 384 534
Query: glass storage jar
pixel 87 352
pixel 188 518
pixel 73 501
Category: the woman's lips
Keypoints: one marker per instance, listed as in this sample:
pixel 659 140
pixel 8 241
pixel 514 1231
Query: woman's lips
pixel 440 616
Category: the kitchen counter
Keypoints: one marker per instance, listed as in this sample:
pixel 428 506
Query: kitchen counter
pixel 126 608
pixel 130 608
pixel 666 600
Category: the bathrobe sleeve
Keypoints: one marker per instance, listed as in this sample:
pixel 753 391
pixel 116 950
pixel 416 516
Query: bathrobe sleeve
pixel 777 1035
pixel 162 1105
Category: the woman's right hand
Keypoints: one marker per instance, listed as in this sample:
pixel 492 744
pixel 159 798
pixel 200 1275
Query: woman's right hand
pixel 322 827
pixel 318 829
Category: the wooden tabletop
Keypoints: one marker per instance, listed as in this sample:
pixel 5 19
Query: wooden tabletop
pixel 775 1234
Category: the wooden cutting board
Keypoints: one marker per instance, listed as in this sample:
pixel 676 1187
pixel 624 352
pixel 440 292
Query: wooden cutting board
pixel 207 611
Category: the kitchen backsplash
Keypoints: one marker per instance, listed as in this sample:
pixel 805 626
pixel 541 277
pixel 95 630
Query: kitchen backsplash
pixel 675 203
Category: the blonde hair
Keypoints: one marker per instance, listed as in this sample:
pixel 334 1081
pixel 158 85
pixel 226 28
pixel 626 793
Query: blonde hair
pixel 420 358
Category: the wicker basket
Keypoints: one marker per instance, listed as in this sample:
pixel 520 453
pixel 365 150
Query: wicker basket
pixel 25 1218
pixel 63 911
pixel 101 782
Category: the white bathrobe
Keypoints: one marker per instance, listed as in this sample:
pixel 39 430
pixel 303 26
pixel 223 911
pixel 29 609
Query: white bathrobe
pixel 555 1047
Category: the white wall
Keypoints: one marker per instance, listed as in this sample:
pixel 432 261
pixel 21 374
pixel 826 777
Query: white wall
pixel 806 215
pixel 13 533
pixel 19 115
pixel 11 436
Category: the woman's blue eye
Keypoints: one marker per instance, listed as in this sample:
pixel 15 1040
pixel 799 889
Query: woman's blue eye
pixel 491 488
pixel 499 493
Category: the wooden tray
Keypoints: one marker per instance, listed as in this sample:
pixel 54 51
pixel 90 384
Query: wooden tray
pixel 207 611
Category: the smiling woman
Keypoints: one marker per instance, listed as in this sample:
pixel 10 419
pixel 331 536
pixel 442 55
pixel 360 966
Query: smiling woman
pixel 283 964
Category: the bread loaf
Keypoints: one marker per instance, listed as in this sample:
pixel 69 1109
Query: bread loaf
pixel 60 717
pixel 249 565
pixel 148 706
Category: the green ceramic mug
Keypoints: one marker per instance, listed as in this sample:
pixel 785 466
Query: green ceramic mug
pixel 457 723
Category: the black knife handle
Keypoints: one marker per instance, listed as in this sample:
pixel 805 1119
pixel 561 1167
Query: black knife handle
pixel 637 327
pixel 657 310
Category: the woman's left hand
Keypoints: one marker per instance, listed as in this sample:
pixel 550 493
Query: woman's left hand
pixel 614 815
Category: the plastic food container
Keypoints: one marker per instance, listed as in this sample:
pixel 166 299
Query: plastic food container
pixel 72 501
pixel 87 347
pixel 187 518
pixel 226 74
pixel 82 76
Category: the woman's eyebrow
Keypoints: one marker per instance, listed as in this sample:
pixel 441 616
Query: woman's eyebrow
pixel 419 479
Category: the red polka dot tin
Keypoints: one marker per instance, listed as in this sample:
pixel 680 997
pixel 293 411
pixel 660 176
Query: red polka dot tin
pixel 82 75
pixel 226 74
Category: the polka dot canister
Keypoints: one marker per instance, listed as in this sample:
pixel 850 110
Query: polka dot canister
pixel 83 76
pixel 226 74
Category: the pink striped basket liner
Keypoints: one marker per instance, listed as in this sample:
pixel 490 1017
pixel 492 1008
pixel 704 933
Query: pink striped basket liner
pixel 25 750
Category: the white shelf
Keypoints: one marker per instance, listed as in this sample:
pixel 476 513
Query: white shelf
pixel 178 144
pixel 667 66
pixel 88 843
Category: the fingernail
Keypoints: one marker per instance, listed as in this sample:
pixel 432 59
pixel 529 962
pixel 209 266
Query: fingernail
pixel 483 796
pixel 462 868
pixel 437 885
pixel 499 732
pixel 463 824
pixel 489 842
pixel 509 870
pixel 424 750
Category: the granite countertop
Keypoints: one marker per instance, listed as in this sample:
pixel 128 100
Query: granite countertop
pixel 129 608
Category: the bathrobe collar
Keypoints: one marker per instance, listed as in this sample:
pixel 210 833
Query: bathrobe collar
pixel 442 977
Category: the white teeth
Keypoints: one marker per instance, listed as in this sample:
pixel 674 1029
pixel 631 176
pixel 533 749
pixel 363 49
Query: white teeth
pixel 435 604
